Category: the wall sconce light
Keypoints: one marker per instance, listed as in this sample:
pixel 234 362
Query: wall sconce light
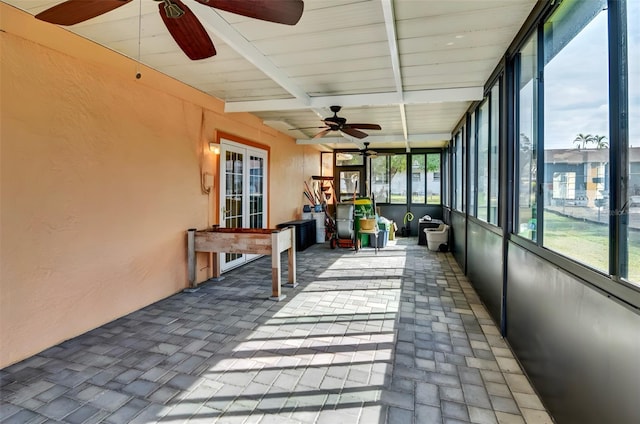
pixel 214 148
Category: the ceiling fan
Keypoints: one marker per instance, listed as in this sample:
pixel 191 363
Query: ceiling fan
pixel 337 123
pixel 366 152
pixel 182 23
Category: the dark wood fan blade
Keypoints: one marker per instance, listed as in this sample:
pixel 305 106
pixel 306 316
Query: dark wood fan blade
pixel 322 133
pixel 354 132
pixel 365 126
pixel 188 32
pixel 72 12
pixel 280 11
pixel 305 128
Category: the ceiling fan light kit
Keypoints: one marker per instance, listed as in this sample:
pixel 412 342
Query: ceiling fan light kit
pixel 172 10
pixel 182 23
pixel 368 153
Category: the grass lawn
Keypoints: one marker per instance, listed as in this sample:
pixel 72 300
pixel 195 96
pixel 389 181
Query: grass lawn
pixel 587 242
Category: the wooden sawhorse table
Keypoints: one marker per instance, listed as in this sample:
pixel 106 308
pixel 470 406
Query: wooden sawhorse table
pixel 261 241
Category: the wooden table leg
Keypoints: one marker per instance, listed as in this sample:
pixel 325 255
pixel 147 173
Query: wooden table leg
pixel 215 260
pixel 191 256
pixel 291 256
pixel 291 253
pixel 276 293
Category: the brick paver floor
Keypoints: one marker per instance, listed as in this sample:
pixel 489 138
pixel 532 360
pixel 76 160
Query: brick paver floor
pixel 394 337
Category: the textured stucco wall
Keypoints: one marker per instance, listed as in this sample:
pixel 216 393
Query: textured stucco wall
pixel 100 178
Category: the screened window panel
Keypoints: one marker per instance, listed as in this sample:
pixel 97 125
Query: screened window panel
pixel 575 190
pixel 380 178
pixel 458 173
pixel 398 179
pixel 473 159
pixel 494 154
pixel 633 233
pixel 446 182
pixel 434 179
pixel 483 162
pixel 418 179
pixel 527 140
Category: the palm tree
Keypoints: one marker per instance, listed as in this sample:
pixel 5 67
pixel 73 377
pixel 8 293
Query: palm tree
pixel 582 140
pixel 599 141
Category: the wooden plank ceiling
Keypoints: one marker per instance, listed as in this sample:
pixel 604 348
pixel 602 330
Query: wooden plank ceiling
pixel 411 66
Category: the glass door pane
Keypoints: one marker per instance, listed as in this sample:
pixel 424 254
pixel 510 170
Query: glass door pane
pixel 233 199
pixel 256 201
pixel 256 192
pixel 243 193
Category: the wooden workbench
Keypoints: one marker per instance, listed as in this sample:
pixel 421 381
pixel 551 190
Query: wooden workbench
pixel 261 241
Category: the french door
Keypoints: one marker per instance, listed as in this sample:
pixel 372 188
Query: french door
pixel 243 193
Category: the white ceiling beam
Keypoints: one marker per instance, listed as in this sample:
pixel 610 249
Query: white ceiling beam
pixel 390 27
pixel 414 138
pixel 440 95
pixel 392 39
pixel 315 102
pixel 445 136
pixel 323 140
pixel 212 21
pixel 403 117
pixel 461 94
